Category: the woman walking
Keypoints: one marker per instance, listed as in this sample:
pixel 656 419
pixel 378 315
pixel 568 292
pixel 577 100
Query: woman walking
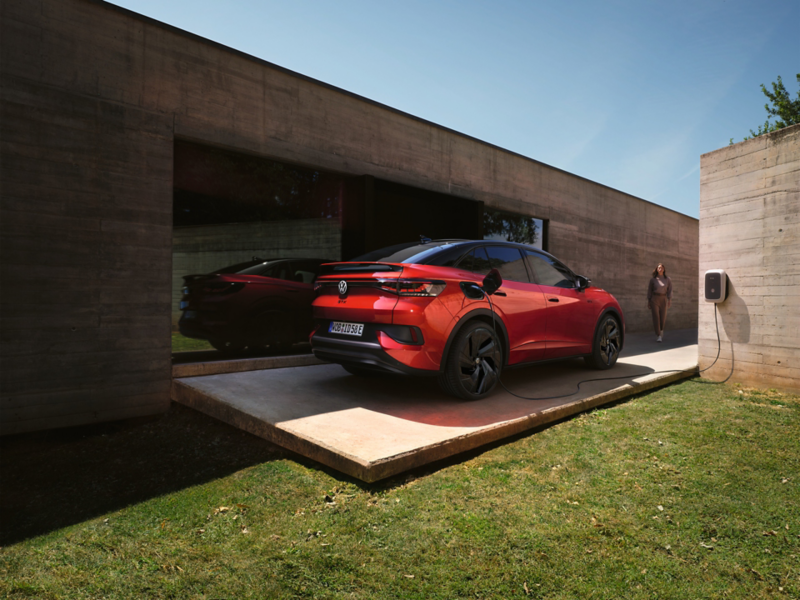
pixel 659 299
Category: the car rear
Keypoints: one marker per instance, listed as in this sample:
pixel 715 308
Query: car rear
pixel 373 315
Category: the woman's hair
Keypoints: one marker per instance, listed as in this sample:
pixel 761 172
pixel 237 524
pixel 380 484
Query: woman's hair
pixel 655 271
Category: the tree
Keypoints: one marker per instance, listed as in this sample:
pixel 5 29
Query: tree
pixel 500 225
pixel 785 110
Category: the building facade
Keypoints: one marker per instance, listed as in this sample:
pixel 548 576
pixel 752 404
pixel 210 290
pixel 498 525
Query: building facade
pixel 120 134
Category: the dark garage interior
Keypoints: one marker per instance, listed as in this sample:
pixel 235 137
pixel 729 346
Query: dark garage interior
pixel 231 209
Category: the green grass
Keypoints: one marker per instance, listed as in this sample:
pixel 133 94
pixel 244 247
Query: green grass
pixel 184 344
pixel 687 492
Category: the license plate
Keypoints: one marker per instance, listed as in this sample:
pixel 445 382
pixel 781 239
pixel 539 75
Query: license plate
pixel 184 304
pixel 346 328
pixel 190 314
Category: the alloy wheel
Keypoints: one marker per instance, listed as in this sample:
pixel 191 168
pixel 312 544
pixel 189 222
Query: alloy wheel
pixel 479 361
pixel 610 342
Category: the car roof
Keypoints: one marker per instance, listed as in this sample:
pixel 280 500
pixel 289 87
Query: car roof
pixel 235 268
pixel 432 252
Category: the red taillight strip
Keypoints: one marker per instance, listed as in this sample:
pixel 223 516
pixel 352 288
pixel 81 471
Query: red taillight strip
pixel 401 287
pixel 420 287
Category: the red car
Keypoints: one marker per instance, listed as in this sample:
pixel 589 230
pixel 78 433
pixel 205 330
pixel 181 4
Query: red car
pixel 420 309
pixel 256 303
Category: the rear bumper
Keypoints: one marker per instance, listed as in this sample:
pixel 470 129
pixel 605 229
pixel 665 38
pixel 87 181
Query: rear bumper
pixel 360 353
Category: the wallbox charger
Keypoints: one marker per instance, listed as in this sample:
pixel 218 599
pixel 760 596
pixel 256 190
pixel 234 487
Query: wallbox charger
pixel 716 285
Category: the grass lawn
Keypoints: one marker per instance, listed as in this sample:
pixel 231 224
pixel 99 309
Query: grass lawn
pixel 184 344
pixel 690 491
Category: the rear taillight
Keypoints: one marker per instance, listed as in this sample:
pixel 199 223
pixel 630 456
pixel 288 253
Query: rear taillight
pixel 418 287
pixel 401 287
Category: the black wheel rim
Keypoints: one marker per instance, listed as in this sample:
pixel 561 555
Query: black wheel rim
pixel 610 342
pixel 478 362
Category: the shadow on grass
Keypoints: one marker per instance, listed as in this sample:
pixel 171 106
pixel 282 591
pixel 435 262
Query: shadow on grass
pixel 54 479
pixel 59 478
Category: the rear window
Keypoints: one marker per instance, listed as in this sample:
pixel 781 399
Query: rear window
pixel 265 268
pixel 410 253
pixel 250 267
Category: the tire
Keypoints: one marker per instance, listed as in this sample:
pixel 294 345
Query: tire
pixel 473 366
pixel 226 347
pixel 607 344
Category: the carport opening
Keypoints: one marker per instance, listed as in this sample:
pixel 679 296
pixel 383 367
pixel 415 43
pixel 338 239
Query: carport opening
pixel 232 215
pixel 240 218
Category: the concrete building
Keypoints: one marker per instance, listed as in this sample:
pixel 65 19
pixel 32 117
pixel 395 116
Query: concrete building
pixel 750 227
pixel 112 125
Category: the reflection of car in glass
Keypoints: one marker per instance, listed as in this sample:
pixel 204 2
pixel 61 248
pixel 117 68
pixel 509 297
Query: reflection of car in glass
pixel 256 303
pixel 415 309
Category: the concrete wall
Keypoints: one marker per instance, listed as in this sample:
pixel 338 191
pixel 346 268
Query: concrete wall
pixel 750 226
pixel 85 226
pixel 202 249
pixel 93 97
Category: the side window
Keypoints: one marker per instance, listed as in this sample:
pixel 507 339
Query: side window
pixel 476 261
pixel 450 258
pixel 305 271
pixel 550 272
pixel 508 260
pixel 279 271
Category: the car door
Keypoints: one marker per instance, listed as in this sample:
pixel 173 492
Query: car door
pixel 519 299
pixel 571 313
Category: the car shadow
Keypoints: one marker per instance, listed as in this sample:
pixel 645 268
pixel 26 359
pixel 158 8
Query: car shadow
pixel 525 394
pixel 58 478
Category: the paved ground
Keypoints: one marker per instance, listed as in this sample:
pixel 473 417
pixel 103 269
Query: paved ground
pixel 374 428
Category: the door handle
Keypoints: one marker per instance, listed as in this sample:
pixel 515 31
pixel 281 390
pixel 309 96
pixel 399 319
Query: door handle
pixel 552 299
pixel 500 294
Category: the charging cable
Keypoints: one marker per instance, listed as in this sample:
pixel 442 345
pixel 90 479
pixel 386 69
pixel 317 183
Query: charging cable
pixel 494 329
pixel 719 347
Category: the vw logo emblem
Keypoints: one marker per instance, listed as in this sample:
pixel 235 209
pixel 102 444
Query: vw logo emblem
pixel 342 287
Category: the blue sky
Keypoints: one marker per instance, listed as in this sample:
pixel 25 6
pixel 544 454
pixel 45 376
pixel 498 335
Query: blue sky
pixel 625 93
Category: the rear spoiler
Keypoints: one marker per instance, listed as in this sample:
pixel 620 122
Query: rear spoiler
pixel 357 267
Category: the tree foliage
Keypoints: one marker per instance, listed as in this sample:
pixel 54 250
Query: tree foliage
pixel 510 227
pixel 784 110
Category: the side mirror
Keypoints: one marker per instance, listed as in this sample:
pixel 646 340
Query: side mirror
pixel 583 282
pixel 492 282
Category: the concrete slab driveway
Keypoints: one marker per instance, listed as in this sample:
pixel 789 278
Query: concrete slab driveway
pixel 377 427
